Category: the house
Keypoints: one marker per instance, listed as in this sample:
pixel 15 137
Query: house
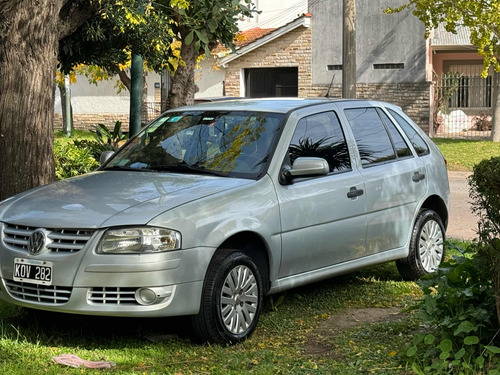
pixel 304 58
pixel 462 95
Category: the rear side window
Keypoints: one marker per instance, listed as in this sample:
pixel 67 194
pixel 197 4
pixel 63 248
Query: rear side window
pixel 321 136
pixel 400 144
pixel 374 144
pixel 416 140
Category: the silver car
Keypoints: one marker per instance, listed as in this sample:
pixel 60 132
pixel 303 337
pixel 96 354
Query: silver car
pixel 212 207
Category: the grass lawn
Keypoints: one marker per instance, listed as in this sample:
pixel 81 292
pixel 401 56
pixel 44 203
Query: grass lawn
pixel 462 154
pixel 298 334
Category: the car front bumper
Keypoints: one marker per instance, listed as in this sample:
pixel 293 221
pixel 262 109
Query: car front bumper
pixel 84 282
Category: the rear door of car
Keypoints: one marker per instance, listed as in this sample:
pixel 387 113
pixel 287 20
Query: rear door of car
pixel 323 217
pixel 395 178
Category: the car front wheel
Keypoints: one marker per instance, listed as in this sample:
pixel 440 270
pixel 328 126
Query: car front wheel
pixel 231 301
pixel 426 250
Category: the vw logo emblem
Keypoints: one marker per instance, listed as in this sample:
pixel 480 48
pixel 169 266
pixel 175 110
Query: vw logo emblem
pixel 36 241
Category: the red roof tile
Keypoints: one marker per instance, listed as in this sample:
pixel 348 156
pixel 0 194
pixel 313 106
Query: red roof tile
pixel 246 37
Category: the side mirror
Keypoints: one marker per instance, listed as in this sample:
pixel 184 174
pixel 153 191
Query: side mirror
pixel 105 156
pixel 304 167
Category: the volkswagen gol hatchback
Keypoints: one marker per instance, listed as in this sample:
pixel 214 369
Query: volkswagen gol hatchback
pixel 212 207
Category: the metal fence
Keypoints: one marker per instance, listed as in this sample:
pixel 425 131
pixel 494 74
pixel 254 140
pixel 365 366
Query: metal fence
pixel 150 111
pixel 463 106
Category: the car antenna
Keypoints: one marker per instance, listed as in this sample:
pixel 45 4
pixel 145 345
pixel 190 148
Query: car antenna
pixel 331 83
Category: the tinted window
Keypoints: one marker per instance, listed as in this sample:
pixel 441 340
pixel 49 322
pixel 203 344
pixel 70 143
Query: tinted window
pixel 402 149
pixel 373 142
pixel 416 140
pixel 321 136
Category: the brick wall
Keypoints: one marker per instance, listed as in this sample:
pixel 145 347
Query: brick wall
pixel 294 50
pixel 290 50
pixel 87 121
pixel 413 98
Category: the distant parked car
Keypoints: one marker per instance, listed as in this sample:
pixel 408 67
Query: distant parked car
pixel 213 206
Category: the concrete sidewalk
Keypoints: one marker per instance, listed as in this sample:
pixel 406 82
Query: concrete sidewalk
pixel 462 222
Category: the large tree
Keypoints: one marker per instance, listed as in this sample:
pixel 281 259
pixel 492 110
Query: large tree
pixel 482 17
pixel 35 36
pixel 29 41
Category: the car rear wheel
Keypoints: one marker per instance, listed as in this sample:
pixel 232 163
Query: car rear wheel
pixel 231 300
pixel 426 246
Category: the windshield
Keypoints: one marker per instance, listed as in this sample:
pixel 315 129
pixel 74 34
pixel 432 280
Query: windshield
pixel 209 142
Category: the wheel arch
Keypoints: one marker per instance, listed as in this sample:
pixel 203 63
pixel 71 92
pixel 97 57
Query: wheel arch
pixel 254 246
pixel 436 203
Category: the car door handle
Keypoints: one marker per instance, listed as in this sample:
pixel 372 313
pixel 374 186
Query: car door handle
pixel 353 192
pixel 417 177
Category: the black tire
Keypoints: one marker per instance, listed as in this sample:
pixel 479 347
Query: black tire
pixel 229 316
pixel 426 250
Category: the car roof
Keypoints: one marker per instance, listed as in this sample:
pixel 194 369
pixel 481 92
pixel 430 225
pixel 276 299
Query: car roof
pixel 276 105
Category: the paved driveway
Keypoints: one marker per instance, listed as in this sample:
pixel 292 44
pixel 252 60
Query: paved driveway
pixel 462 223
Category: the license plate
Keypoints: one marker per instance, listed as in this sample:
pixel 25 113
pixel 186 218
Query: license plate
pixel 33 271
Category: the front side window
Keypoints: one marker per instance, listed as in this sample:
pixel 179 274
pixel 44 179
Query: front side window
pixel 371 136
pixel 212 142
pixel 416 140
pixel 321 136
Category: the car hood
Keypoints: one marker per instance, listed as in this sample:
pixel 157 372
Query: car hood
pixel 110 198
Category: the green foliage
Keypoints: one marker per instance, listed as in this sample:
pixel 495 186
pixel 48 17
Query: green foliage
pixel 71 160
pixel 485 194
pixel 459 309
pixel 103 140
pixel 121 27
pixel 205 23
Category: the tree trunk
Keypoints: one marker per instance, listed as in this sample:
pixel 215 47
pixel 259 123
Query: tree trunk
pixel 29 40
pixel 28 58
pixel 183 85
pixel 495 130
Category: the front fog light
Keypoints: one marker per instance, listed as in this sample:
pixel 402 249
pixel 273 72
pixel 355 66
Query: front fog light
pixel 149 296
pixel 139 240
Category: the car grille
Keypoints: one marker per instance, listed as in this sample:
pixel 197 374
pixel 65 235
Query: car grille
pixel 63 240
pixel 50 294
pixel 112 296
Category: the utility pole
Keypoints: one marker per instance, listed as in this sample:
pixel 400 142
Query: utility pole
pixel 349 49
pixel 136 77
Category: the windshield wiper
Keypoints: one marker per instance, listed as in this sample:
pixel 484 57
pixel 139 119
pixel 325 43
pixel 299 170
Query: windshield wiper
pixel 123 168
pixel 185 167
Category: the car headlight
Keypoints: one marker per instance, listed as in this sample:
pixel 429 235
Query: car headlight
pixel 139 240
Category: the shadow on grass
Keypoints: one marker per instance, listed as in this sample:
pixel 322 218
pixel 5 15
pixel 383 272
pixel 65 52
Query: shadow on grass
pixel 92 332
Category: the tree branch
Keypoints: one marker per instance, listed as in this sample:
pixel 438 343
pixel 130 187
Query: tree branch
pixel 74 13
pixel 125 79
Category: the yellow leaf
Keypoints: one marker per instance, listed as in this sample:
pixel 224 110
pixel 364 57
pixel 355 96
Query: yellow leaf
pixel 393 353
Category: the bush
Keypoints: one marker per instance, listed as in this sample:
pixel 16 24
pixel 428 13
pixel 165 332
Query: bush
pixel 459 311
pixel 104 140
pixel 72 160
pixel 482 122
pixel 485 193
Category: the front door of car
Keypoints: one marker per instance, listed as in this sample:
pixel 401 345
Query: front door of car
pixel 323 218
pixel 394 178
